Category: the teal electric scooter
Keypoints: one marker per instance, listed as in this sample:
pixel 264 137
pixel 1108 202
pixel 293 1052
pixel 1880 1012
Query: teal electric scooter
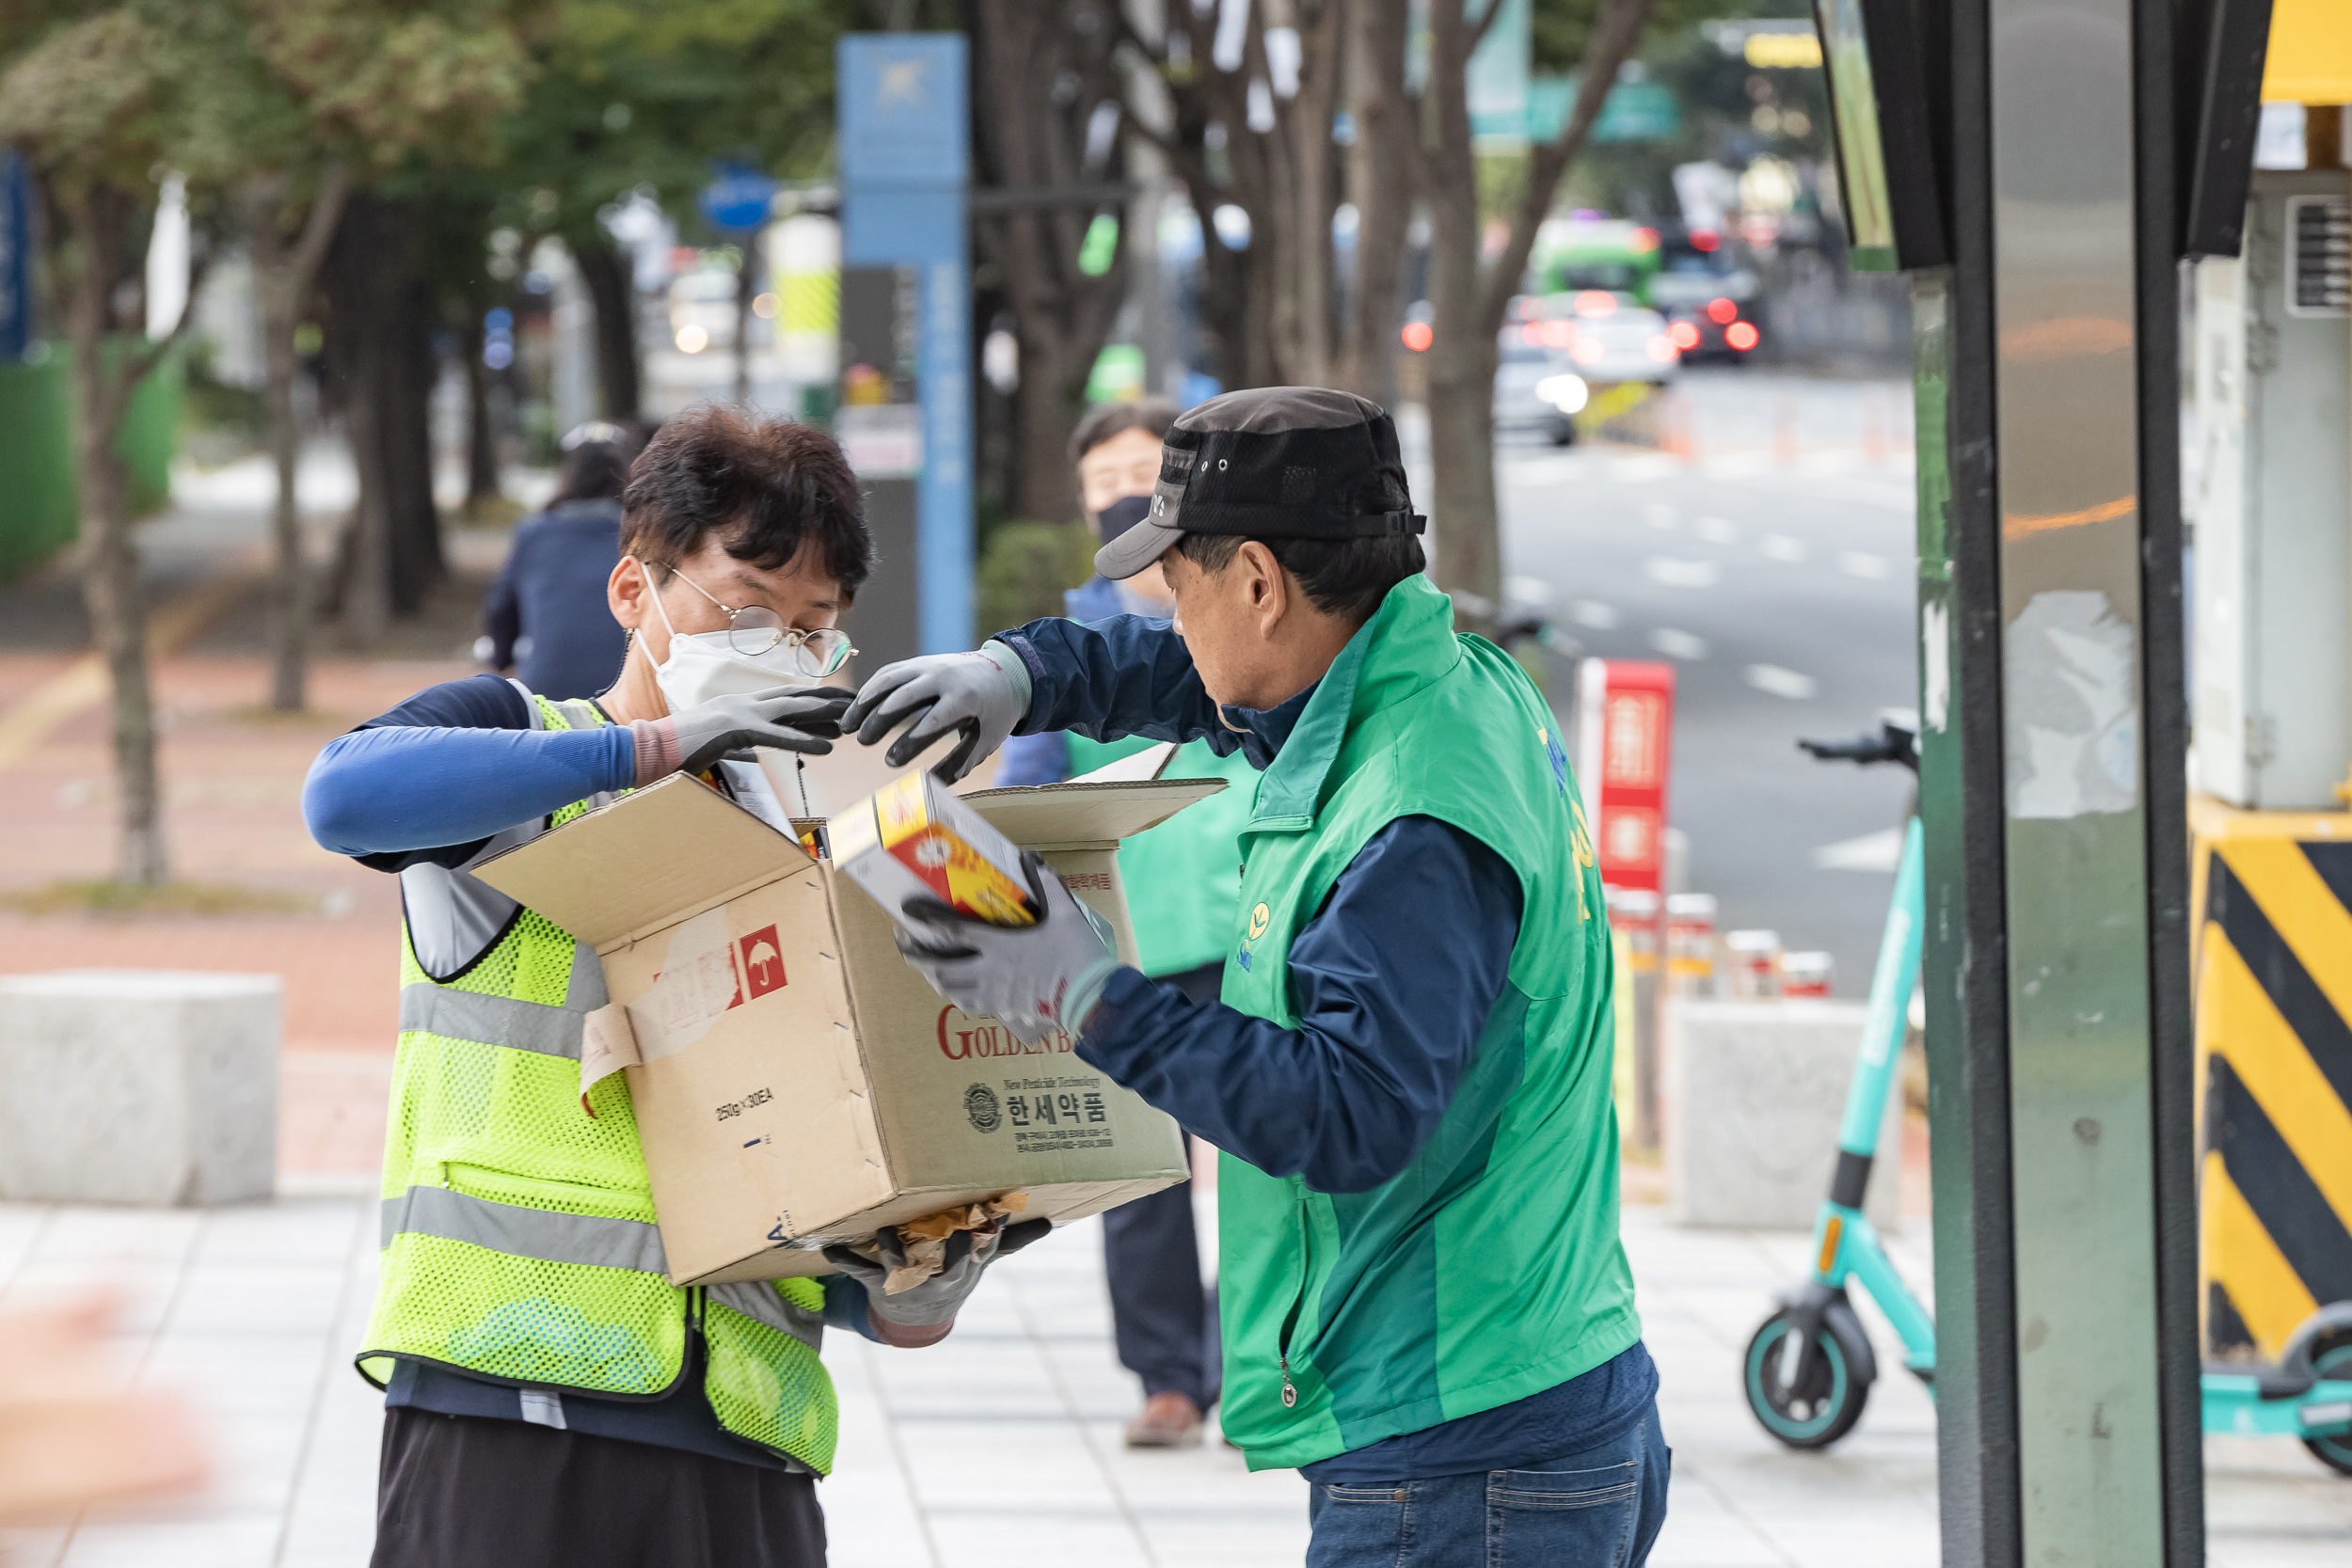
pixel 1809 1369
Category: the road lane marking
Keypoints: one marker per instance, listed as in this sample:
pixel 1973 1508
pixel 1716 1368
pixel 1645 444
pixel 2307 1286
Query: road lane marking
pixel 1718 531
pixel 1674 573
pixel 1862 563
pixel 1877 851
pixel 1781 682
pixel 83 684
pixel 1679 644
pixel 1593 613
pixel 1779 547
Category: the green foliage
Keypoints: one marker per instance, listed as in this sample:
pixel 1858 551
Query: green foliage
pixel 643 94
pixel 1026 567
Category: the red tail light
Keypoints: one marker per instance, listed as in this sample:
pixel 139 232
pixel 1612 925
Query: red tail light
pixel 1685 335
pixel 1721 311
pixel 1742 336
pixel 1418 336
pixel 1704 239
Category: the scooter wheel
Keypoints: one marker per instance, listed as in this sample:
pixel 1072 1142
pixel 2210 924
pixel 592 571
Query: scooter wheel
pixel 2334 1364
pixel 1827 1400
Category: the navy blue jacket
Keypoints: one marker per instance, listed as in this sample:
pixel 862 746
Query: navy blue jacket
pixel 546 614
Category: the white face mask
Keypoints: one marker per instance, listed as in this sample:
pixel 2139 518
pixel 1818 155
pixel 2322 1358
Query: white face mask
pixel 703 665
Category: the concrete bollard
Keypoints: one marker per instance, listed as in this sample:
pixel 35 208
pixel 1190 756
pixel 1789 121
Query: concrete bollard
pixel 146 1086
pixel 1754 1092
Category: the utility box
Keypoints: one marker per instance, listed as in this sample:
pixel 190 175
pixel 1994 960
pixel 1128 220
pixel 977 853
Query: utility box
pixel 2271 672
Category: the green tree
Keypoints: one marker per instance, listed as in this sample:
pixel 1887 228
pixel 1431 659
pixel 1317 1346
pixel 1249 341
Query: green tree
pixel 331 86
pixel 642 95
pixel 96 99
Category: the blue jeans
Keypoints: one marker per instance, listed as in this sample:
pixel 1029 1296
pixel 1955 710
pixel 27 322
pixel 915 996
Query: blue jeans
pixel 1598 1508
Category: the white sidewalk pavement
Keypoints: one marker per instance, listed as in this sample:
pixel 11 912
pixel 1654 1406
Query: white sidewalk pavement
pixel 1001 1446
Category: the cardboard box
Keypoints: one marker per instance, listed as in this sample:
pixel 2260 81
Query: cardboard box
pixel 795 1083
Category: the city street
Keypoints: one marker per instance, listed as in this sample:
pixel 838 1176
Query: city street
pixel 1773 565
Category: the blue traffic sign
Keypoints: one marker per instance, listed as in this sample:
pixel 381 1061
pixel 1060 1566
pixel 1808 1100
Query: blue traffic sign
pixel 738 198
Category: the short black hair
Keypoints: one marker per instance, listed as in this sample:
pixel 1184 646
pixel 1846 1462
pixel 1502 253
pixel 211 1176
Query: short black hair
pixel 593 470
pixel 1107 420
pixel 771 486
pixel 1347 578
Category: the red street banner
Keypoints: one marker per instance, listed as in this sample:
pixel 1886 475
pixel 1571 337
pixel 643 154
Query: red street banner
pixel 1624 735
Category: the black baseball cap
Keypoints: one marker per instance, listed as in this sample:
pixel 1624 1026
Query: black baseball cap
pixel 1272 463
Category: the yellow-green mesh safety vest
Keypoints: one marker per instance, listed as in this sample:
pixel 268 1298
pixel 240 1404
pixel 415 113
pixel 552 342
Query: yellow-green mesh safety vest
pixel 519 1236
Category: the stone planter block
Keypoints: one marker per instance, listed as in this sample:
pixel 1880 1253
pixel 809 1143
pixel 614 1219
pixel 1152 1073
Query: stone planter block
pixel 1754 1092
pixel 147 1086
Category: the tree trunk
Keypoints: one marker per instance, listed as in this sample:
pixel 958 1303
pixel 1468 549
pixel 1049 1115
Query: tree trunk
pixel 482 442
pixel 405 423
pixel 613 291
pixel 1044 410
pixel 746 282
pixel 111 586
pixel 380 338
pixel 1461 358
pixel 284 274
pixel 1380 186
pixel 1029 134
pixel 1470 302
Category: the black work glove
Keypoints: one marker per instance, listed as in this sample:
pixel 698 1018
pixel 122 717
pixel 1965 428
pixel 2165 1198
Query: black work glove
pixel 786 718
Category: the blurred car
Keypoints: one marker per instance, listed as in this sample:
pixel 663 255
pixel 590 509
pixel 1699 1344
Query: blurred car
pixel 1605 336
pixel 1707 300
pixel 1536 390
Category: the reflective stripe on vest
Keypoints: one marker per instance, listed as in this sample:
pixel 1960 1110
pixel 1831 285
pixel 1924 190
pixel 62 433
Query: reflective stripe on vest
pixel 593 1240
pixel 472 1015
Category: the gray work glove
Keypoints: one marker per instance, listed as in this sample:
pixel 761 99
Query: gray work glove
pixel 1033 978
pixel 787 718
pixel 941 1296
pixel 983 695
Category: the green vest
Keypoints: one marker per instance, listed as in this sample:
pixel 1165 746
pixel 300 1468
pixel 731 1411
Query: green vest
pixel 519 1235
pixel 1184 877
pixel 1490 1268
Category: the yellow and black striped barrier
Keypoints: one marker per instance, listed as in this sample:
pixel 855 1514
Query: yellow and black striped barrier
pixel 2274 1048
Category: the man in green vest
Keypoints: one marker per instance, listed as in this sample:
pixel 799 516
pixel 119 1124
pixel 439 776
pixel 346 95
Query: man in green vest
pixel 551 1398
pixel 1182 878
pixel 1425 1305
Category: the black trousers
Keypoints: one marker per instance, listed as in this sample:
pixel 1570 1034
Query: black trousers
pixel 1163 1319
pixel 473 1492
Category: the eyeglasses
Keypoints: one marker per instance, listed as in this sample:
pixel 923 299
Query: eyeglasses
pixel 756 628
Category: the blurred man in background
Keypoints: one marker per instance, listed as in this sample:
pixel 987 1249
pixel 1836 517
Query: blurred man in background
pixel 544 621
pixel 1184 882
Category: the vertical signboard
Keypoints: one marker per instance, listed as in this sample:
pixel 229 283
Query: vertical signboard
pixel 16 260
pixel 1625 735
pixel 905 161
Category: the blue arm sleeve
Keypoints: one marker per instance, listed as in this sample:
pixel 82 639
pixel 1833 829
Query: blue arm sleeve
pixel 1033 759
pixel 378 790
pixel 1119 676
pixel 1391 1007
pixel 845 1307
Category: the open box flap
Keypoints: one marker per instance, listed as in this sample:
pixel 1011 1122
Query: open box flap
pixel 1069 816
pixel 646 858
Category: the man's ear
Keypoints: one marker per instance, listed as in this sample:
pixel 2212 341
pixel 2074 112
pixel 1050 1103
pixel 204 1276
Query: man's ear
pixel 626 590
pixel 1265 582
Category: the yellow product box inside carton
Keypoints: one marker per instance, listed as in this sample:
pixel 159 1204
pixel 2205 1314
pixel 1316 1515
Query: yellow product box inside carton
pixel 795 1083
pixel 913 838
